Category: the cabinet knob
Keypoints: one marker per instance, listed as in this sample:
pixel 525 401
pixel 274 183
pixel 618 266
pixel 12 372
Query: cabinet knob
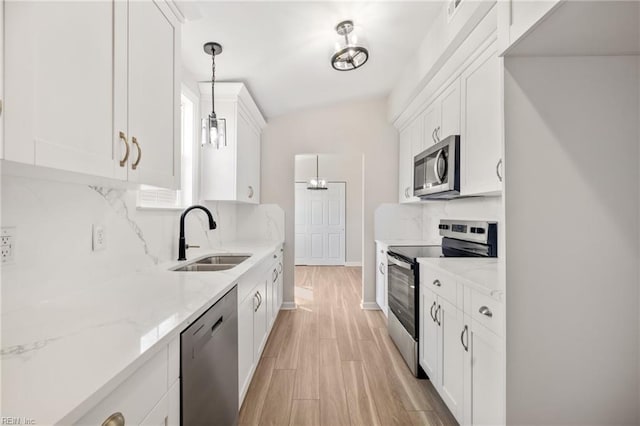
pixel 116 419
pixel 498 167
pixel 485 311
pixel 123 137
pixel 134 141
pixel 250 191
pixel 437 283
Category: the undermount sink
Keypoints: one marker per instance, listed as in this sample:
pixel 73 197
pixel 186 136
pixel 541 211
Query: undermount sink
pixel 220 262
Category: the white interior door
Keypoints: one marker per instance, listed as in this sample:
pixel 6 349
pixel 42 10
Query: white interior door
pixel 320 225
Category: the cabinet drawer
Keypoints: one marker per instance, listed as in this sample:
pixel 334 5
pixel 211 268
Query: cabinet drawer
pixel 441 283
pixel 493 316
pixel 136 396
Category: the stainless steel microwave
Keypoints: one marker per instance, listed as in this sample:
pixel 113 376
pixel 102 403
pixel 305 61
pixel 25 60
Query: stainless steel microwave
pixel 436 171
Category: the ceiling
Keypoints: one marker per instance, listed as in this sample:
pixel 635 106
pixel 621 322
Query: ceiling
pixel 282 50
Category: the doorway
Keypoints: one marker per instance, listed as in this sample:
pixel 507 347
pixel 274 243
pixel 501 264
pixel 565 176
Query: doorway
pixel 328 221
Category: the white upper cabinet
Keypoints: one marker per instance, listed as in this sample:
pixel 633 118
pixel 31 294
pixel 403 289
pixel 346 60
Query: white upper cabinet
pixel 517 17
pixel 83 79
pixel 154 96
pixel 481 135
pixel 232 171
pixel 59 83
pixel 442 117
pixel 410 144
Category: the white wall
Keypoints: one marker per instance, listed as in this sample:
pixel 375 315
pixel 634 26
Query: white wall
pixel 354 128
pixel 340 168
pixel 572 203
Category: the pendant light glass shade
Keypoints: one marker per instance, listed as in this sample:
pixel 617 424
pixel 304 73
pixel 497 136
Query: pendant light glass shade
pixel 214 129
pixel 348 54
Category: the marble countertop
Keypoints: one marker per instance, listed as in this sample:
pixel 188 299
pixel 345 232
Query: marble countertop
pixel 62 356
pixel 482 274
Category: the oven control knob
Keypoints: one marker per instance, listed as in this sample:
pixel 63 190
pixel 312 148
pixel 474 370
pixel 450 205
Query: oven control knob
pixel 477 230
pixel 443 227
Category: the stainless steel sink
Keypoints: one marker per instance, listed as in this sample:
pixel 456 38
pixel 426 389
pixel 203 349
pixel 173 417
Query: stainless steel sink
pixel 220 262
pixel 223 259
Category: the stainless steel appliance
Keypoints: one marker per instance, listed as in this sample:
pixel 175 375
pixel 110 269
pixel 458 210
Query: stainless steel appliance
pixel 436 170
pixel 209 366
pixel 460 239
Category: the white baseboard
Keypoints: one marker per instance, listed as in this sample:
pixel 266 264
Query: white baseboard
pixel 353 264
pixel 288 306
pixel 369 306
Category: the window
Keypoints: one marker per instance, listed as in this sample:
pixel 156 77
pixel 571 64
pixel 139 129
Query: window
pixel 152 197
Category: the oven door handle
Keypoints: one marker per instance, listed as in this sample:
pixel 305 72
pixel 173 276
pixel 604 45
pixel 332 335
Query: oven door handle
pixel 398 262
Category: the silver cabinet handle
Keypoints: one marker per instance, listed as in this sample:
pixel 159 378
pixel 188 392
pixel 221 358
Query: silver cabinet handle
pixel 431 312
pixel 465 330
pixel 406 192
pixel 438 133
pixel 258 300
pixel 437 283
pixel 279 267
pixel 250 191
pixel 134 142
pixel 433 136
pixel 498 166
pixel 437 311
pixel 381 268
pixel 485 311
pixel 116 419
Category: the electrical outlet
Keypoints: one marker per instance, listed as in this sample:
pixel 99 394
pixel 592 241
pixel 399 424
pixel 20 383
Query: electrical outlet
pixel 8 244
pixel 98 240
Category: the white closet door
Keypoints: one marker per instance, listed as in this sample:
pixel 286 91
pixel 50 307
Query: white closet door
pixel 320 225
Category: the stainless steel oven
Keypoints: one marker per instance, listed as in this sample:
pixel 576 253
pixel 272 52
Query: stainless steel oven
pixel 460 239
pixel 436 170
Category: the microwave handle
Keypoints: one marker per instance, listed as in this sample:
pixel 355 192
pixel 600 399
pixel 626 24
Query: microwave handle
pixel 435 166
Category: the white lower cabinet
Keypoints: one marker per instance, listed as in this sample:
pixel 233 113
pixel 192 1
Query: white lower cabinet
pixel 142 399
pixel 463 358
pixel 381 278
pixel 256 314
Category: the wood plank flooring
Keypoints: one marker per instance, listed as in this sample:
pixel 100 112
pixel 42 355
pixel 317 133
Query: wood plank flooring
pixel 331 363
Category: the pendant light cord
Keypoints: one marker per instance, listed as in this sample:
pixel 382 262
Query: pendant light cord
pixel 213 81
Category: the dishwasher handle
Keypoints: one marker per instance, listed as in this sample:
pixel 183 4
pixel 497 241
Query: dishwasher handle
pixel 217 325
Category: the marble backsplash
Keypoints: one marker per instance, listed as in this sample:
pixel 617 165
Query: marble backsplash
pixel 53 225
pixel 420 221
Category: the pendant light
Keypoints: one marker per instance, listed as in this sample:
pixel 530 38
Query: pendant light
pixel 214 129
pixel 348 55
pixel 316 183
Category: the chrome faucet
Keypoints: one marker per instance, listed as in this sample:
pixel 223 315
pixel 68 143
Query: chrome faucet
pixel 182 244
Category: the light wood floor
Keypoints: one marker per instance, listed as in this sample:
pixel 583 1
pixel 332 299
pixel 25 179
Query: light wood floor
pixel 331 363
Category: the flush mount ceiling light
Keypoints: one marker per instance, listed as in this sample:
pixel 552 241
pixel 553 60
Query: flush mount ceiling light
pixel 349 55
pixel 214 129
pixel 316 183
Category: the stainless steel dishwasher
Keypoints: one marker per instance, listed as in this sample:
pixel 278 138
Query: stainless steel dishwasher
pixel 209 366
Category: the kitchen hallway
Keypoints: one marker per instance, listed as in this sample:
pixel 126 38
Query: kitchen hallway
pixel 331 363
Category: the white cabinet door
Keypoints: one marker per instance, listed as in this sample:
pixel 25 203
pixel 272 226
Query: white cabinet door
pixel 259 321
pixel 481 137
pixel 248 161
pixel 381 278
pixel 431 125
pixel 484 381
pixel 405 167
pixel 60 115
pixel 245 342
pixel 450 110
pixel 451 357
pixel 153 96
pixel 174 404
pixel 429 336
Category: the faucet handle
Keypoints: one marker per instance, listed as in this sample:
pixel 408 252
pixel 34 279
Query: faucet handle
pixel 188 246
